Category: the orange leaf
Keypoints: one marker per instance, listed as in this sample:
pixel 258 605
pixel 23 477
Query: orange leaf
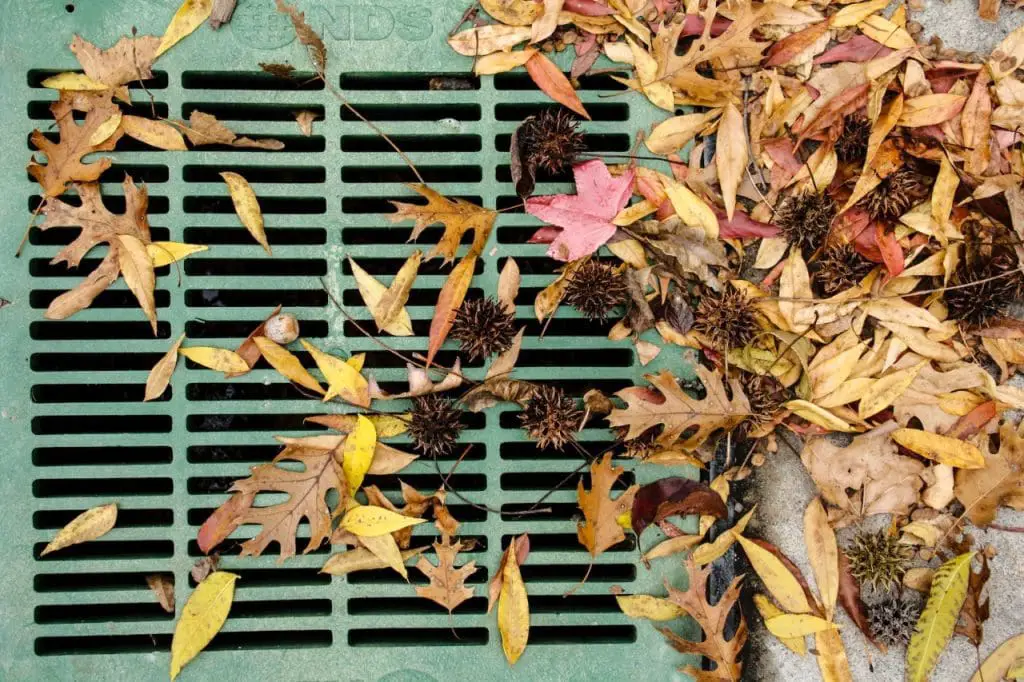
pixel 792 45
pixel 553 82
pixel 448 301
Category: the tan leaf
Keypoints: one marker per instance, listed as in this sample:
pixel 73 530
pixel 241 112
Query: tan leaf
pixel 673 134
pixel 187 19
pixel 550 297
pixel 832 660
pixel 361 559
pixel 372 292
pixel 447 583
pixel 513 12
pixel 546 24
pixel 884 391
pixel 976 125
pixel 308 38
pixel 1001 660
pixel 392 303
pixel 520 544
pixel 513 611
pixel 160 375
pixel 600 529
pixel 952 451
pixel 483 40
pixel 881 30
pixel 823 553
pixel 137 270
pixel 928 110
pixel 731 155
pixel 448 302
pixel 154 133
pixel 457 215
pixel 289 366
pixel 129 59
pixel 553 82
pixel 385 548
pixel 163 588
pixel 247 207
pixel 500 62
pixel 508 286
pixel 204 129
pixel 220 359
pixel 305 119
pixel 1000 482
pixel 89 525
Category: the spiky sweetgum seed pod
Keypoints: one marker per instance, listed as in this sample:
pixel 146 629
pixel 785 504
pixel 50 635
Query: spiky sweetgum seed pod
pixel 482 327
pixel 726 319
pixel 766 396
pixel 595 289
pixel 893 620
pixel 852 145
pixel 896 194
pixel 550 140
pixel 840 268
pixel 550 418
pixel 644 445
pixel 984 298
pixel 805 219
pixel 434 425
pixel 877 560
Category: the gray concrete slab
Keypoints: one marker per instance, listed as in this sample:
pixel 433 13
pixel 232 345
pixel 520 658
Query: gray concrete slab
pixel 957 23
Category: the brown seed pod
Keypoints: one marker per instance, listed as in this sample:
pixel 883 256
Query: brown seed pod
pixel 838 269
pixel 893 619
pixel 595 289
pixel 482 327
pixel 550 418
pixel 550 140
pixel 894 196
pixel 805 219
pixel 434 425
pixel 727 319
pixel 987 279
pixel 877 560
pixel 767 397
pixel 852 145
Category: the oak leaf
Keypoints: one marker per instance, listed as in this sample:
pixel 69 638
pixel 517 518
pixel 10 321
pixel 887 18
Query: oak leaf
pixel 1000 482
pixel 600 529
pixel 447 583
pixel 678 412
pixel 457 215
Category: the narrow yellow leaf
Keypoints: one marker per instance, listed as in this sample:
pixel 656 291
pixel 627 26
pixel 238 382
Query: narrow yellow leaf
pixel 943 449
pixel 202 618
pixel 220 359
pixel 794 283
pixel 705 554
pixel 247 207
pixel 343 380
pixel 885 390
pixel 818 415
pixel 513 611
pixel 730 155
pixel 998 664
pixel 782 584
pixel 851 15
pixel 357 454
pixel 154 133
pixel 768 610
pixel 823 553
pixel 935 626
pixel 881 30
pixel 289 366
pixel 106 129
pixel 187 19
pixel 672 546
pixel 673 134
pixel 500 62
pixel 368 521
pixel 649 607
pixel 943 193
pixel 160 375
pixel 165 253
pixel 372 292
pixel 386 550
pixel 88 525
pixel 137 270
pixel 690 208
pixel 830 374
pixel 790 625
pixel 392 302
pixel 73 81
pixel 361 559
pixel 356 361
pixel 832 660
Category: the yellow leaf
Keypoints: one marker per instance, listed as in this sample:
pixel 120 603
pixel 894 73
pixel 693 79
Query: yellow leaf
pixel 649 607
pixel 705 554
pixel 851 390
pixel 942 449
pixel 387 426
pixel 884 391
pixel 500 62
pixel 690 208
pixel 818 415
pixel 187 19
pixel 356 361
pixel 851 15
pixel 457 215
pixel 357 455
pixel 943 192
pixel 513 611
pixel 959 403
pixel 902 312
pixel 827 376
pixel 794 283
pixel 789 625
pixel 342 378
pixel 928 110
pixel 160 375
pixel 823 553
pixel 137 270
pixel 289 366
pixel 769 610
pixel 88 525
pixel 361 559
pixel 782 584
pixel 106 129
pixel 935 626
pixel 881 30
pixel 220 359
pixel 999 662
pixel 673 134
pixel 368 521
pixel 372 292
pixel 73 81
pixel 202 618
pixel 154 133
pixel 672 546
pixel 247 207
pixel 386 549
pixel 832 660
pixel 730 155
pixel 392 303
pixel 547 300
pixel 165 253
pixel 483 40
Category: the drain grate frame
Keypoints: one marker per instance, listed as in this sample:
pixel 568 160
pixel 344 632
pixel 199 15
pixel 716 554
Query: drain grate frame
pixel 77 435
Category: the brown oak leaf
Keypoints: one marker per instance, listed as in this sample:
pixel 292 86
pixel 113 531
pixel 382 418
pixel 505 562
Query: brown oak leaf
pixel 99 226
pixel 1001 482
pixel 681 414
pixel 457 215
pixel 600 529
pixel 64 163
pixel 129 59
pixel 447 583
pixel 724 653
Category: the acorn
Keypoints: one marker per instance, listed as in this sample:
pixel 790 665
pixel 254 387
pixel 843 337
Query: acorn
pixel 805 219
pixel 550 418
pixel 282 328
pixel 852 144
pixel 838 269
pixel 434 425
pixel 727 319
pixel 483 327
pixel 877 560
pixel 896 194
pixel 893 619
pixel 595 289
pixel 550 140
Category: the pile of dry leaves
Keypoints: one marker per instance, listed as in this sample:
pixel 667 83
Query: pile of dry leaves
pixel 842 244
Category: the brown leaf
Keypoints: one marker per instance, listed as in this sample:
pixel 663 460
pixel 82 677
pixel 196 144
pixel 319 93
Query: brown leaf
pixel 137 271
pixel 447 584
pixel 160 375
pixel 223 521
pixel 204 566
pixel 248 350
pixel 671 496
pixel 975 610
pixel 204 128
pixel 420 383
pixel 307 36
pixel 305 120
pixel 64 163
pixel 163 587
pixel 731 155
pixel 600 529
pixel 130 59
pixel 679 412
pixel 457 215
pixel 793 45
pixel 849 598
pixel 999 483
pixel 553 82
pixel 448 302
pixel 724 653
pixel 521 543
pixel 976 125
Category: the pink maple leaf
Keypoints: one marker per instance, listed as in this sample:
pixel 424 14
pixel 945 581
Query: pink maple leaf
pixel 585 217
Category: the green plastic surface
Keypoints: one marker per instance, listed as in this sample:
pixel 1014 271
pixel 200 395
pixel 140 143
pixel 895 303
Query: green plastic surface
pixel 76 434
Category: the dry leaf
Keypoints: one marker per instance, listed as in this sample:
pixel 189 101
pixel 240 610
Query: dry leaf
pixel 457 215
pixel 137 270
pixel 500 62
pixel 675 133
pixel 247 207
pixel 165 253
pixel 187 19
pixel 731 155
pixel 306 35
pixel 1000 482
pixel 89 525
pixel 392 302
pixel 305 119
pixel 201 618
pixel 369 521
pixel 520 544
pixel 154 133
pixel 1001 660
pixel 372 292
pixel 129 59
pixel 361 559
pixel 942 449
pixel 513 611
pixel 553 82
pixel 823 553
pixel 767 609
pixel 286 364
pixel 649 607
pixel 508 286
pixel 790 625
pixel 482 40
pixel 343 380
pixel 163 588
pixel 204 129
pixel 600 529
pixel 386 549
pixel 220 359
pixel 357 453
pixel 447 584
pixel 160 375
pixel 448 302
pixel 783 586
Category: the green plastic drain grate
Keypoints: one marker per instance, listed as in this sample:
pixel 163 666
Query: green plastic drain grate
pixel 76 433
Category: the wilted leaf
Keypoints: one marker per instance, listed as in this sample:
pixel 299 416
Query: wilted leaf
pixel 223 521
pixel 789 625
pixel 386 549
pixel 361 559
pixel 520 544
pixel 372 292
pixel 672 496
pixel 935 626
pixel 508 286
pixel 201 618
pixel 247 207
pixel 768 609
pixel 286 364
pixel 205 129
pixel 154 133
pixel 72 81
pixel 392 303
pixel 929 110
pixel 783 586
pixel 309 38
pixel 823 553
pixel 304 119
pixel 448 302
pixel 88 525
pixel 483 40
pixel 731 155
pixel 160 375
pixel 187 19
pixel 649 607
pixel 137 270
pixel 999 482
pixel 165 253
pixel 675 133
pixel 707 553
pixel 129 59
pixel 1001 660
pixel 942 449
pixel 500 62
